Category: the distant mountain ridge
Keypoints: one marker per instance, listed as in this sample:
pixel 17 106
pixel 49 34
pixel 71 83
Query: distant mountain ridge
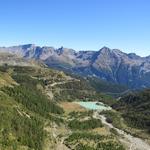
pixel 109 64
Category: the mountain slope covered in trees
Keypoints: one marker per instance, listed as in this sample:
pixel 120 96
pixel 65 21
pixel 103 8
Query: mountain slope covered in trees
pixel 30 110
pixel 135 109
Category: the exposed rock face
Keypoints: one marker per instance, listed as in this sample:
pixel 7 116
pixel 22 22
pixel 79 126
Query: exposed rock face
pixel 109 64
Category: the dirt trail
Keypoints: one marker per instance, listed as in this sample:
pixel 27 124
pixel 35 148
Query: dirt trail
pixel 63 82
pixel 61 145
pixel 59 141
pixel 133 143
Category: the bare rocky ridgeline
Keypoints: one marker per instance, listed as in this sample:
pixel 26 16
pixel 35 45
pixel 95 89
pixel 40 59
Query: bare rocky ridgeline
pixel 109 64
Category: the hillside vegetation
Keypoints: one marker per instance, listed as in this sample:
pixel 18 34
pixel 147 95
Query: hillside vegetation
pixel 135 109
pixel 107 87
pixel 23 110
pixel 30 114
pixel 89 133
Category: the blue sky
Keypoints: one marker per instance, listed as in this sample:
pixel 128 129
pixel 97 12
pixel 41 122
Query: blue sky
pixel 78 24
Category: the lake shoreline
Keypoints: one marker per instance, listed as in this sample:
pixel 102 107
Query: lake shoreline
pixel 94 105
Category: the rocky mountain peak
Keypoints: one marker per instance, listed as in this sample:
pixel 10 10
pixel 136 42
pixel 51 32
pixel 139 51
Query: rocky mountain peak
pixel 133 56
pixel 65 51
pixel 109 64
pixel 105 50
pixel 28 46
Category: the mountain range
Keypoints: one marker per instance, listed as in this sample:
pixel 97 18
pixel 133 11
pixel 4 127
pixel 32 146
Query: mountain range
pixel 111 65
pixel 40 107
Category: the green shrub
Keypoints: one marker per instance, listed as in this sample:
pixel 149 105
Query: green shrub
pixel 85 125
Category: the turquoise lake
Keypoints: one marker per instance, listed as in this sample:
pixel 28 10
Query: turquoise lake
pixel 94 106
